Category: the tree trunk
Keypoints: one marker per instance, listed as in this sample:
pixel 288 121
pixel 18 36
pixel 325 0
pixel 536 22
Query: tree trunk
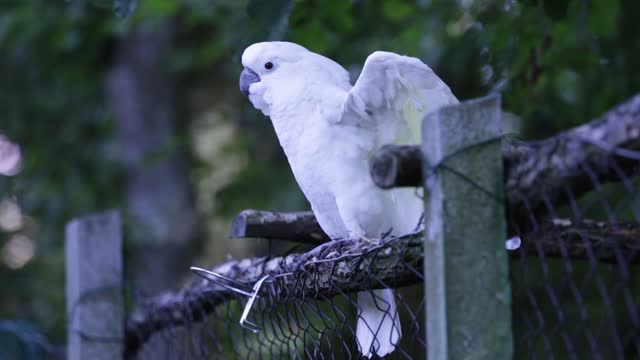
pixel 161 216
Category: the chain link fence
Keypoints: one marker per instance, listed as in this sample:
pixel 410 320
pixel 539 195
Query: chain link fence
pixel 580 300
pixel 571 204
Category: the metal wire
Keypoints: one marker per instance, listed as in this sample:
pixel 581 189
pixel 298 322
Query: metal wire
pixel 574 280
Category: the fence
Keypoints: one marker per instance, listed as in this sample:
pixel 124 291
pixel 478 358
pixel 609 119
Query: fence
pixel 569 290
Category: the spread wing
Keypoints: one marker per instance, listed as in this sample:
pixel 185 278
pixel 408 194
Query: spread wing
pixel 393 94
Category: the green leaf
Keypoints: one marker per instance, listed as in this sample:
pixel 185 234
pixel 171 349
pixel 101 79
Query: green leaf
pixel 105 4
pixel 397 11
pixel 267 13
pixel 314 36
pixel 603 15
pixel 556 9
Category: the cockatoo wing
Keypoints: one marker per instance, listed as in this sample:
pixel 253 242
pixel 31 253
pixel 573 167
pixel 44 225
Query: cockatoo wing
pixel 393 94
pixel 390 99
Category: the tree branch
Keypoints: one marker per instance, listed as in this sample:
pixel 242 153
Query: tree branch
pixel 578 161
pixel 541 171
pixel 396 166
pixel 617 243
pixel 294 226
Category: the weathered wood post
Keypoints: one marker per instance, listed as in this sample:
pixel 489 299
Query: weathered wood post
pixel 95 307
pixel 468 295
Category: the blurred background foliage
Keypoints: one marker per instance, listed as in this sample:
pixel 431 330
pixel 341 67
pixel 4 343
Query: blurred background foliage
pixel 134 104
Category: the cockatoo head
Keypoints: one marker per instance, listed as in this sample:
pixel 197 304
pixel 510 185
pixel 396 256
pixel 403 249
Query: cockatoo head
pixel 276 73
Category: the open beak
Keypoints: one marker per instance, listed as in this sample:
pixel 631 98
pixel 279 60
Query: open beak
pixel 247 78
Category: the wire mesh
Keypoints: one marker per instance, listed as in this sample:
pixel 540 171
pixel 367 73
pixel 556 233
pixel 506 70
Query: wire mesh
pixel 308 312
pixel 580 301
pixel 574 287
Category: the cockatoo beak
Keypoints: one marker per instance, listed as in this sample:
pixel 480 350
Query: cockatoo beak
pixel 247 78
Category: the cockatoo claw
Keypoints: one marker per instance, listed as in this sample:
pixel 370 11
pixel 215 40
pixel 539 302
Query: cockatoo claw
pixel 370 241
pixel 324 251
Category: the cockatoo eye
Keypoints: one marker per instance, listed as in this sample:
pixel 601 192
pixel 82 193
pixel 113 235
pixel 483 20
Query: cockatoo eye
pixel 268 65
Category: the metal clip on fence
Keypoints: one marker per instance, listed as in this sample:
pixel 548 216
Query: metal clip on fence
pixel 244 322
pixel 238 287
pixel 223 281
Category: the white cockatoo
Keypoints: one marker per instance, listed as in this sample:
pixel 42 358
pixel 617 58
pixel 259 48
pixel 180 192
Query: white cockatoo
pixel 329 129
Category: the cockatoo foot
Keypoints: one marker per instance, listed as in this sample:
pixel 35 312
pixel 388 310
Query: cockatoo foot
pixel 363 244
pixel 321 252
pixel 360 236
pixel 371 241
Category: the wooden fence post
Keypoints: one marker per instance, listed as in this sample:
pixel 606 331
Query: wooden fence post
pixel 95 306
pixel 468 296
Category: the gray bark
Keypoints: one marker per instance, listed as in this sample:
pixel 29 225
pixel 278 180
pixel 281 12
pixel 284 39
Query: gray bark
pixel 572 163
pixel 294 226
pixel 395 166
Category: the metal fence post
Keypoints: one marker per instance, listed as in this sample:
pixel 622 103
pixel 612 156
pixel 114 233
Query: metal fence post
pixel 468 297
pixel 95 306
